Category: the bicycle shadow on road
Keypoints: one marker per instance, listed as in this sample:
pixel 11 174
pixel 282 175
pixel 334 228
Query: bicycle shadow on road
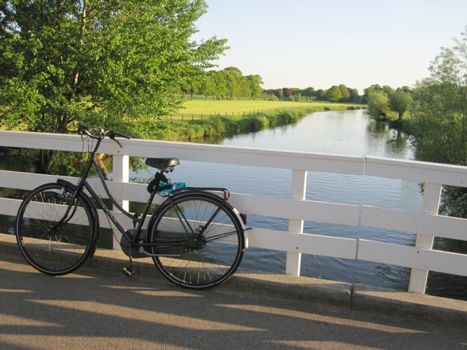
pixel 94 310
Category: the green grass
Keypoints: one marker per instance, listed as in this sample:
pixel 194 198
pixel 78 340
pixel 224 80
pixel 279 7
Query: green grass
pixel 235 108
pixel 214 120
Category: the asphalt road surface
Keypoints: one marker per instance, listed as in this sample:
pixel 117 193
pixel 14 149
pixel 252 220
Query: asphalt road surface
pixel 105 310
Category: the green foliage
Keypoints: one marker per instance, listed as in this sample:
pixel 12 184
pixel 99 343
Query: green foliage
pixel 371 89
pixel 440 124
pixel 440 117
pixel 345 93
pixel 99 62
pixel 255 83
pixel 400 102
pixel 334 94
pixel 440 107
pixel 378 104
pixel 228 83
pixel 455 201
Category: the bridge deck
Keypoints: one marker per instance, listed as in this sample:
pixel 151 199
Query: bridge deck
pixel 97 309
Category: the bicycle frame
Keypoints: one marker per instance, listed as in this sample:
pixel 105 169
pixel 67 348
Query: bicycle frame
pixel 137 219
pixel 83 184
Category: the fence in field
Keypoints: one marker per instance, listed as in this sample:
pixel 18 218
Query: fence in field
pixel 426 224
pixel 244 114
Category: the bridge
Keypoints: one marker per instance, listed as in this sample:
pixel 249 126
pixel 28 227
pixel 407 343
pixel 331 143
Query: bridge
pixel 420 258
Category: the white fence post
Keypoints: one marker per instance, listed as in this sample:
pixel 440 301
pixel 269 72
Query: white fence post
pixel 431 199
pixel 121 173
pixel 298 191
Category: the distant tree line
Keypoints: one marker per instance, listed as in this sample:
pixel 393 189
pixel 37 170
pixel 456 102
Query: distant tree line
pixel 229 83
pixel 336 93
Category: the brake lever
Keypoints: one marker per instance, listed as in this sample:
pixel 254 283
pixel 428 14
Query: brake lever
pixel 111 135
pixel 118 142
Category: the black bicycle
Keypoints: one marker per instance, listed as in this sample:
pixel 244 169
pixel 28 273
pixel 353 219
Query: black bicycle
pixel 195 237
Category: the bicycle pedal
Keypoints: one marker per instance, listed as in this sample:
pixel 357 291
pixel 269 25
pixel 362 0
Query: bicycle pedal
pixel 128 272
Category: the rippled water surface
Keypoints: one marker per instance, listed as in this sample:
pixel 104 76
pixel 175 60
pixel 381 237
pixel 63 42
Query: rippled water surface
pixel 348 133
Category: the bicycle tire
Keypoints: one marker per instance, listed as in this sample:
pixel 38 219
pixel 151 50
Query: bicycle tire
pixel 50 249
pixel 191 258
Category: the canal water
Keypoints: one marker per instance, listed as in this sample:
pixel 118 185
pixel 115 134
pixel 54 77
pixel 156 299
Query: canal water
pixel 346 133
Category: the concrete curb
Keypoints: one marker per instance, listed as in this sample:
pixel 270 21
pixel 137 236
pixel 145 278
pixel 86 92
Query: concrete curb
pixel 358 297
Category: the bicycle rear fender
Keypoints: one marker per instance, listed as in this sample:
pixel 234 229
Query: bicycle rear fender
pixel 72 187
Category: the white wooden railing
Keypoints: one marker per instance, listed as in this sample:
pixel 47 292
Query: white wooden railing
pixel 421 258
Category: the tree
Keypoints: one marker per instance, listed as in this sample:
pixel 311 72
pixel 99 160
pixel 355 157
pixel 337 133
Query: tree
pixel 400 102
pixel 286 92
pixel 440 117
pixel 369 90
pixel 389 91
pixel 309 92
pixel 334 93
pixel 441 106
pixel 107 63
pixel 378 104
pixel 354 96
pixel 320 94
pixel 255 83
pixel 233 77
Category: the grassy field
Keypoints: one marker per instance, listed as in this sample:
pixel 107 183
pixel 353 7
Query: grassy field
pixel 201 120
pixel 240 107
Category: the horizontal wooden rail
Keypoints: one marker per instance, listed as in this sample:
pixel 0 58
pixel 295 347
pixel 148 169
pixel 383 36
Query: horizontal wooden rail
pixel 285 208
pixel 426 259
pixel 350 165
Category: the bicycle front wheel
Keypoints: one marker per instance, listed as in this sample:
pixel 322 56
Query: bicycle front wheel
pixel 55 232
pixel 197 240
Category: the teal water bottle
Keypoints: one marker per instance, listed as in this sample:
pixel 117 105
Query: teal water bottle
pixel 175 186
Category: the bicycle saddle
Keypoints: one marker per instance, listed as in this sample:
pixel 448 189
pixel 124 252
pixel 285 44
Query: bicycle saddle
pixel 162 163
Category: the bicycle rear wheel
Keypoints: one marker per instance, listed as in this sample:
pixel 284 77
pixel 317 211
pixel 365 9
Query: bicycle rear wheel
pixel 49 241
pixel 197 240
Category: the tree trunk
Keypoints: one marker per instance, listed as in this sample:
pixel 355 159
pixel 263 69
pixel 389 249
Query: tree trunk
pixel 82 30
pixel 44 162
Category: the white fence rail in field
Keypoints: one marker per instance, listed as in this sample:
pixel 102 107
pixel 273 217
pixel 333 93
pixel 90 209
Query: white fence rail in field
pixel 421 258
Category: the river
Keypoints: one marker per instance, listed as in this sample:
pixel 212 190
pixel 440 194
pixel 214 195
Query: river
pixel 347 133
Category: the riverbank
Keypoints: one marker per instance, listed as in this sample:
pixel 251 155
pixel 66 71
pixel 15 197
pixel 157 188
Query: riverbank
pixel 219 126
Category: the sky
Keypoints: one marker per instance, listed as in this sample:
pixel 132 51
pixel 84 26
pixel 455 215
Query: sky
pixel 301 43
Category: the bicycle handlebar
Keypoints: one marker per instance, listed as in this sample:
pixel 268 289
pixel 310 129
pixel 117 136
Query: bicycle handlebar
pixel 84 129
pixel 113 134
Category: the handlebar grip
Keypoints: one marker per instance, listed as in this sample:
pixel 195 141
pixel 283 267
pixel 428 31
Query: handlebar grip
pixel 83 128
pixel 112 134
pixel 121 135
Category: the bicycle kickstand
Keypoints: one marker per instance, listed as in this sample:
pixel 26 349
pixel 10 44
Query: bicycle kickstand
pixel 128 271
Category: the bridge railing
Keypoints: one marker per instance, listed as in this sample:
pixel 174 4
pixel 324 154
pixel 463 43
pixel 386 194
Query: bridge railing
pixel 426 224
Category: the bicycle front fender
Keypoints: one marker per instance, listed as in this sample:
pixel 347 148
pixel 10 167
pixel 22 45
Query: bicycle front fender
pixel 95 216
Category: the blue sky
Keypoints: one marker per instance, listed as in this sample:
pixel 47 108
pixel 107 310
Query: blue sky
pixel 300 43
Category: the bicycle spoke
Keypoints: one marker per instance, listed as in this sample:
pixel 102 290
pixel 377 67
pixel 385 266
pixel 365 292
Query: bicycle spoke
pixel 207 261
pixel 48 246
pixel 219 236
